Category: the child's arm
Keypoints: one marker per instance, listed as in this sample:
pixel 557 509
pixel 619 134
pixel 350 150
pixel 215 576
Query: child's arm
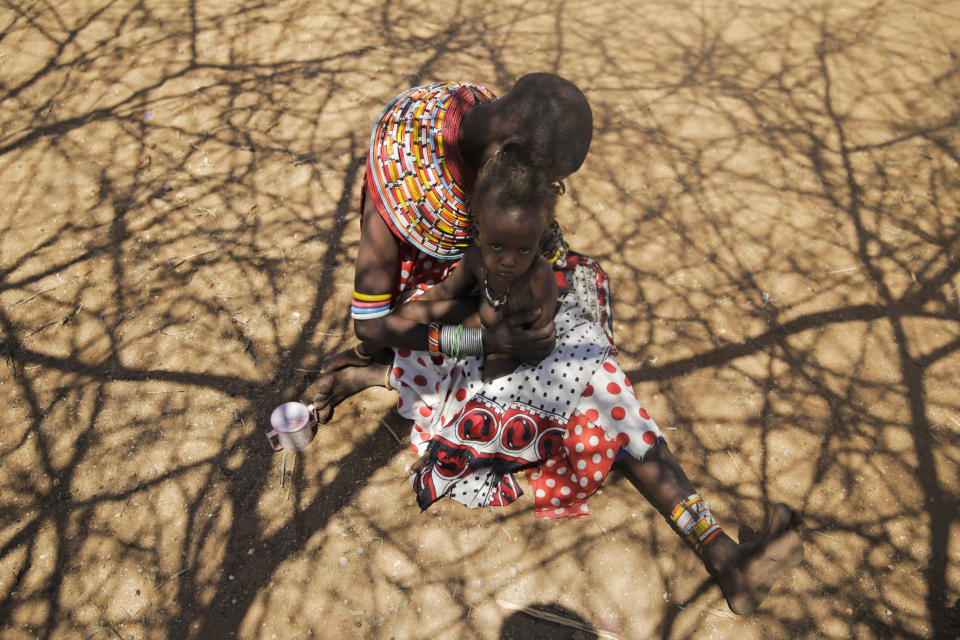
pixel 458 282
pixel 544 293
pixel 446 301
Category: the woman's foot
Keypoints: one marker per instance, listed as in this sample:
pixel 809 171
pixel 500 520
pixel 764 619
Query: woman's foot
pixel 333 388
pixel 746 572
pixel 349 358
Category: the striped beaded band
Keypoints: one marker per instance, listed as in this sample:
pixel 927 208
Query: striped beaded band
pixel 366 306
pixel 694 520
pixel 433 339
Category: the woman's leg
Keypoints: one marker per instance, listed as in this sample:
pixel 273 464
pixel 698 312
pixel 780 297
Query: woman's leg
pixel 744 572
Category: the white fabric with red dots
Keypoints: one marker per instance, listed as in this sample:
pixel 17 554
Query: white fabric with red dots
pixel 608 417
pixel 563 419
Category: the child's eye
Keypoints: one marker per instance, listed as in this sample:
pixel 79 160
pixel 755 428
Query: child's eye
pixel 524 251
pixel 496 246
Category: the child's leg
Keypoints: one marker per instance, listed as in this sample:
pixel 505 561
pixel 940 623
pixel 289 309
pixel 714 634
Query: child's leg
pixel 496 365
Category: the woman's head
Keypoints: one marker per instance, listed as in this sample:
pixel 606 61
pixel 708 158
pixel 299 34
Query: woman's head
pixel 512 206
pixel 551 117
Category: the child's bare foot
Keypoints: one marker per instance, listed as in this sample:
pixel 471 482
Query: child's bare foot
pixel 333 388
pixel 418 464
pixel 753 567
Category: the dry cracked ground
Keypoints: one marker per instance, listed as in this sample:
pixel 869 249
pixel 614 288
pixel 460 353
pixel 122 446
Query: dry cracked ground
pixel 772 187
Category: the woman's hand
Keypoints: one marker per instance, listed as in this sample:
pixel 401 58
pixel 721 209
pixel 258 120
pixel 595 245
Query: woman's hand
pixel 514 339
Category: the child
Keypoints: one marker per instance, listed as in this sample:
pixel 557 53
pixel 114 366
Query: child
pixel 512 208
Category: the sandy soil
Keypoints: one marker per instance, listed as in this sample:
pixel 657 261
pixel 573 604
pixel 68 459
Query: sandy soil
pixel 772 187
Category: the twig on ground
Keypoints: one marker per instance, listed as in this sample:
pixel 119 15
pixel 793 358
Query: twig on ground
pixel 180 261
pixel 500 522
pixel 845 270
pixel 37 294
pixel 290 485
pixel 713 612
pixel 171 577
pixel 734 460
pixel 395 436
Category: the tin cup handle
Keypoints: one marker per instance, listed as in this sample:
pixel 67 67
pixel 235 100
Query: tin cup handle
pixel 276 445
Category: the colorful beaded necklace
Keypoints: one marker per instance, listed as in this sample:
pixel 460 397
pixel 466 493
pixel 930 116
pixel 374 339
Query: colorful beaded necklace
pixel 412 175
pixel 499 301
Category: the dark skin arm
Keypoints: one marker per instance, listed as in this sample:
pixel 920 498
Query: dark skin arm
pixel 376 271
pixel 543 287
pixel 448 300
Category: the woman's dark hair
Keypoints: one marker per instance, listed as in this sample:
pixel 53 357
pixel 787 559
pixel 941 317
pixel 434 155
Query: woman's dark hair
pixel 554 118
pixel 511 180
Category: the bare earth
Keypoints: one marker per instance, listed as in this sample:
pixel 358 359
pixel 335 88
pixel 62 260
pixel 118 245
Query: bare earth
pixel 773 189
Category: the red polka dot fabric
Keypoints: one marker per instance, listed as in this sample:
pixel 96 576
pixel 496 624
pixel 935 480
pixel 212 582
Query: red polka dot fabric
pixel 562 484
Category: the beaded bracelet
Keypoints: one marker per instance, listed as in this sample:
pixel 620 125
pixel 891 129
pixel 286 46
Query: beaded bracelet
pixel 433 339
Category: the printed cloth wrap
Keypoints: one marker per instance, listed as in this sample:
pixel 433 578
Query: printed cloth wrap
pixel 415 173
pixel 562 420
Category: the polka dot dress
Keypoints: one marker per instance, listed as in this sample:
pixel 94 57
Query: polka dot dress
pixel 563 419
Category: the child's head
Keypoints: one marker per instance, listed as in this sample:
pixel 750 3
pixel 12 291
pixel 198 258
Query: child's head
pixel 512 206
pixel 553 119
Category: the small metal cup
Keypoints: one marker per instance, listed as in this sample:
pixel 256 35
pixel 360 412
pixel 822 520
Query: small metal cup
pixel 292 424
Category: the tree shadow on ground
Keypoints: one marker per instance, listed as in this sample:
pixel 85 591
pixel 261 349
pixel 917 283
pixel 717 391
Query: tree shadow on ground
pixel 772 190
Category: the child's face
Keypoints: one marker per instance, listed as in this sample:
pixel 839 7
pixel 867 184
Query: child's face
pixel 508 241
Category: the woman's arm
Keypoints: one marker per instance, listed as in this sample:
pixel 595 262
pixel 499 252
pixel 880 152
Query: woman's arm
pixel 376 273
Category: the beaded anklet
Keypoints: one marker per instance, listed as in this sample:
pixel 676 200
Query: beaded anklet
pixel 356 352
pixel 693 519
